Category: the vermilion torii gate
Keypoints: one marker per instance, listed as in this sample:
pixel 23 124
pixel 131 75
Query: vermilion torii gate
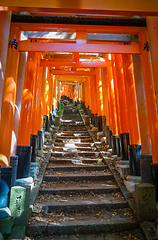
pixel 115 85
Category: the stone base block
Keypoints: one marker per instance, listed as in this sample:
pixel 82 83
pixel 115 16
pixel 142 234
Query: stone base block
pixel 99 135
pixel 34 170
pixel 25 182
pixel 18 233
pixel 57 121
pixel 87 121
pixel 40 153
pixel 19 204
pixel 1 236
pixel 135 179
pixel 123 170
pixel 5 212
pixel 6 225
pixel 145 199
pixel 130 186
pixel 123 162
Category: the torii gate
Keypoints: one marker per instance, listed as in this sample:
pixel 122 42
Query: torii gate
pixel 82 45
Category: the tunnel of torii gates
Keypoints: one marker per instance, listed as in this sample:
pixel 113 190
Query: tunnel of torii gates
pixel 115 78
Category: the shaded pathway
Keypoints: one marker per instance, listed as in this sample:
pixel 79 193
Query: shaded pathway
pixel 78 194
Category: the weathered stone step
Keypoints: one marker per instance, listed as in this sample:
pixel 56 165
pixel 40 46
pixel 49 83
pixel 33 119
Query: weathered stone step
pixel 51 171
pixel 80 226
pixel 79 177
pixel 81 206
pixel 72 148
pixel 77 140
pixel 73 132
pixel 80 190
pixel 77 168
pixel 74 161
pixel 72 137
pixel 77 125
pixel 75 154
pixel 75 143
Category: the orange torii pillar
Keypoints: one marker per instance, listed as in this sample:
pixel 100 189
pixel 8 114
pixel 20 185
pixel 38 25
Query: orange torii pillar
pixel 99 97
pixel 59 93
pixel 116 98
pixel 9 95
pixel 124 129
pixel 93 92
pixel 47 95
pixel 36 133
pixel 72 91
pixel 117 105
pixel 142 114
pixel 150 95
pixel 135 144
pixel 152 29
pixel 113 131
pixel 37 99
pixel 89 92
pixel 20 84
pixel 50 81
pixel 55 91
pixel 105 102
pixel 25 124
pixel 42 99
pixel 5 19
pixel 104 95
pixel 87 95
pixel 50 91
pixel 83 93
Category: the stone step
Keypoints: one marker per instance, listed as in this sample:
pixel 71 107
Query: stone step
pixel 81 206
pixel 71 226
pixel 73 161
pixel 78 168
pixel 80 190
pixel 73 148
pixel 73 132
pixel 70 140
pixel 76 144
pixel 78 194
pixel 79 177
pixel 72 137
pixel 75 154
pixel 77 125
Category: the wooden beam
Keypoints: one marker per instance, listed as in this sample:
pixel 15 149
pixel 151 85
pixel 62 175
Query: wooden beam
pixel 69 83
pixel 71 78
pixel 130 7
pixel 74 73
pixel 81 64
pixel 47 27
pixel 26 46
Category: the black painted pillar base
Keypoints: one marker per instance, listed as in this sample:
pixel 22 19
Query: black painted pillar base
pixel 110 138
pixel 34 142
pixel 100 128
pixel 96 120
pixel 134 152
pixel 124 142
pixel 106 134
pixel 118 152
pixel 154 173
pixel 145 168
pixel 24 161
pixel 113 140
pixel 46 123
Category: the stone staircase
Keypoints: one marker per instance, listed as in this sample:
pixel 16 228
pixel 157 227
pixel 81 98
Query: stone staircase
pixel 78 194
